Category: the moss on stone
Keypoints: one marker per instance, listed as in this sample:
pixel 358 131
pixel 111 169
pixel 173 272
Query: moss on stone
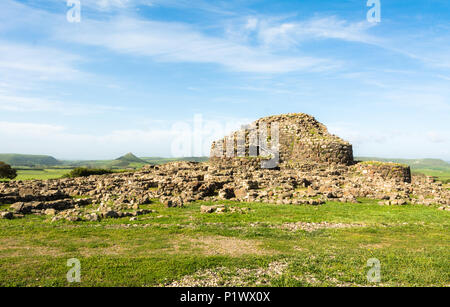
pixel 379 163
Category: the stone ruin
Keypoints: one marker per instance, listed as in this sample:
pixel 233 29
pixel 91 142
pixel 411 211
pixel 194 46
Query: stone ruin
pixel 299 142
pixel 312 167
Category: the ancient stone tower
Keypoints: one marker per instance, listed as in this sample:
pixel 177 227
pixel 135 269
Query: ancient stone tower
pixel 297 138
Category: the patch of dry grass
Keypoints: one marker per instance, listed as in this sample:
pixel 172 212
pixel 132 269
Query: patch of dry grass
pixel 219 245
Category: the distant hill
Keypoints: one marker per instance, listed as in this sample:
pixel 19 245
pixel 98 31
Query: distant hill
pixel 128 161
pixel 159 160
pixel 29 160
pixel 129 157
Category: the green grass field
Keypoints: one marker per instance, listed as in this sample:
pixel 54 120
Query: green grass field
pixel 42 174
pixel 184 247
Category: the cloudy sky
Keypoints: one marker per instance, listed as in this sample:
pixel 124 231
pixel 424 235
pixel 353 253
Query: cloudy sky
pixel 133 75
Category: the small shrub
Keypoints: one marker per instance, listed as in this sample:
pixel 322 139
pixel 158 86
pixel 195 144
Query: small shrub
pixel 84 172
pixel 6 171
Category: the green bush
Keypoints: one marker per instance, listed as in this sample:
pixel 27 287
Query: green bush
pixel 84 172
pixel 6 171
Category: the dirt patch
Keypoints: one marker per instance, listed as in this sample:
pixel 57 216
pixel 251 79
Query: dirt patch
pixel 375 245
pixel 220 245
pixel 114 250
pixel 155 225
pixel 314 281
pixel 226 277
pixel 310 227
pixel 16 248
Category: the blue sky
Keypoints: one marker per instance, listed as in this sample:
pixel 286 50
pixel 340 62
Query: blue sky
pixel 132 75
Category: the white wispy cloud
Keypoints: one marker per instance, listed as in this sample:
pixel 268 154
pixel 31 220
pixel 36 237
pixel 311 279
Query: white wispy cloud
pixel 15 103
pixel 391 143
pixel 439 136
pixel 181 42
pixel 178 42
pixel 240 42
pixel 27 71
pixel 288 34
pixel 29 130
pixel 107 6
pixel 433 99
pixel 110 5
pixel 37 62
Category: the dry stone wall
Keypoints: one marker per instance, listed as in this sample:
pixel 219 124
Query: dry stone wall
pixel 383 170
pixel 302 143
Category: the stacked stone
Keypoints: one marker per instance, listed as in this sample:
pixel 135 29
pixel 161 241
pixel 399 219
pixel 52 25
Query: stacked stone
pixel 383 170
pixel 178 183
pixel 301 139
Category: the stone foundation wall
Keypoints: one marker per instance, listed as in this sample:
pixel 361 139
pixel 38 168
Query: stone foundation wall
pixel 241 163
pixel 384 170
pixel 319 151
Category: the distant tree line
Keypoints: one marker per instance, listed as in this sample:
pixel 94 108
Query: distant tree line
pixel 84 172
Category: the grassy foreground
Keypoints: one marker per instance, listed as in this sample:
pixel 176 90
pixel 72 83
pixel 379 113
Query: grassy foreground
pixel 181 246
